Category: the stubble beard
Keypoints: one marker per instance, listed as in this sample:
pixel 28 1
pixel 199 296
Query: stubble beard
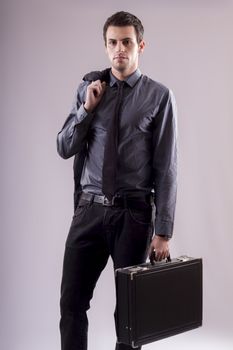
pixel 120 67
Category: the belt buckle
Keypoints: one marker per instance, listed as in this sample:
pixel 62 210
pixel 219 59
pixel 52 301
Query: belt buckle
pixel 108 202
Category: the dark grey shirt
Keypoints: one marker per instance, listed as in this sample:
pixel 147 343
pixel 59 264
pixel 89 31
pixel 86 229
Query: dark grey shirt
pixel 147 151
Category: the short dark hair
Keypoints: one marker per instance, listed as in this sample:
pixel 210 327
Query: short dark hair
pixel 122 19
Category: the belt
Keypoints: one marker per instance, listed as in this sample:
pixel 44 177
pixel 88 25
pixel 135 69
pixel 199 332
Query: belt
pixel 124 201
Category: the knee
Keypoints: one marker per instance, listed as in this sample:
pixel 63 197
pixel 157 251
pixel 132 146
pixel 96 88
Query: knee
pixel 73 305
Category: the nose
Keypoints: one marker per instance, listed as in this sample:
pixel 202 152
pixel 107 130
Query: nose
pixel 120 47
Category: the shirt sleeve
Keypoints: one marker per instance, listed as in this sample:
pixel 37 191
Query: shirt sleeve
pixel 74 131
pixel 165 165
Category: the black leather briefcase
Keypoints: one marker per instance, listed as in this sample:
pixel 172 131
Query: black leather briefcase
pixel 158 301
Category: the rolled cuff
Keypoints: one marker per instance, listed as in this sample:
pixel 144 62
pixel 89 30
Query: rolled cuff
pixel 164 228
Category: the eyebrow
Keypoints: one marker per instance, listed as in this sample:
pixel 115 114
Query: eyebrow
pixel 128 38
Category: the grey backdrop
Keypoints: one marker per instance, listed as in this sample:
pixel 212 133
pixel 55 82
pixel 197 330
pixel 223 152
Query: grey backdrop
pixel 46 47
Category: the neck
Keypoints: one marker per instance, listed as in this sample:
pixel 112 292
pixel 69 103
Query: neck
pixel 122 75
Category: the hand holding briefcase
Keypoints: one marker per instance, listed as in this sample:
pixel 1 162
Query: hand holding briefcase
pixel 157 301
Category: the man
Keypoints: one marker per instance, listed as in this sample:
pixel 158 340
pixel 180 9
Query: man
pixel 122 132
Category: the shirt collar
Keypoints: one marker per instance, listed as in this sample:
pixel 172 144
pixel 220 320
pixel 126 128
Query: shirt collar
pixel 131 80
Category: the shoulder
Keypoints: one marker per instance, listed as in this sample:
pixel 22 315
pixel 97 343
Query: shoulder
pixel 156 91
pixel 81 90
pixel 155 86
pixel 161 94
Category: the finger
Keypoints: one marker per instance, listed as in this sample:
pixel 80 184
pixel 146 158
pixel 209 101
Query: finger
pixel 161 255
pixel 95 91
pixel 98 88
pixel 152 257
pixel 164 254
pixel 151 248
pixel 100 84
pixel 102 88
pixel 158 256
pixel 96 84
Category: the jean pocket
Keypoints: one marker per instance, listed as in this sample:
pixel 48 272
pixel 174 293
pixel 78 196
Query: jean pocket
pixel 142 217
pixel 80 210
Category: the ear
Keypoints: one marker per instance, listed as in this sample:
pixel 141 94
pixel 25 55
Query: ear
pixel 141 46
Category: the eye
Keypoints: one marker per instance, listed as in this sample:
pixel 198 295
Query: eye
pixel 126 42
pixel 112 42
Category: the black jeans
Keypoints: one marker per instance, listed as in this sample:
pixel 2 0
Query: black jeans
pixel 95 233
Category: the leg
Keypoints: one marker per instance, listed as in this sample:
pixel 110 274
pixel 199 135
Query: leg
pixel 85 257
pixel 129 241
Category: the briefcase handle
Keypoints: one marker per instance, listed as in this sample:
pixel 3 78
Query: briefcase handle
pixel 153 258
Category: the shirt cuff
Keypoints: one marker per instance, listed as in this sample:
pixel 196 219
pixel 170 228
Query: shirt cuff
pixel 163 228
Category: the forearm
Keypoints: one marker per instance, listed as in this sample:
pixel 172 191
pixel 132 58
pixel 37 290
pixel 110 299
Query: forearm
pixel 74 133
pixel 165 203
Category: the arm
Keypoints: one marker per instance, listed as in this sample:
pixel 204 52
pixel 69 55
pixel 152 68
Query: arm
pixel 165 173
pixel 74 131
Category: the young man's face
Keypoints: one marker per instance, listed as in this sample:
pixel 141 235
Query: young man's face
pixel 123 49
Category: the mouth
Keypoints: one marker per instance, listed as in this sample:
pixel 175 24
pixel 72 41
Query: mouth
pixel 120 57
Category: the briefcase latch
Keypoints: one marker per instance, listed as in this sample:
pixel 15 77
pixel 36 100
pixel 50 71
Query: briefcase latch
pixel 184 258
pixel 136 269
